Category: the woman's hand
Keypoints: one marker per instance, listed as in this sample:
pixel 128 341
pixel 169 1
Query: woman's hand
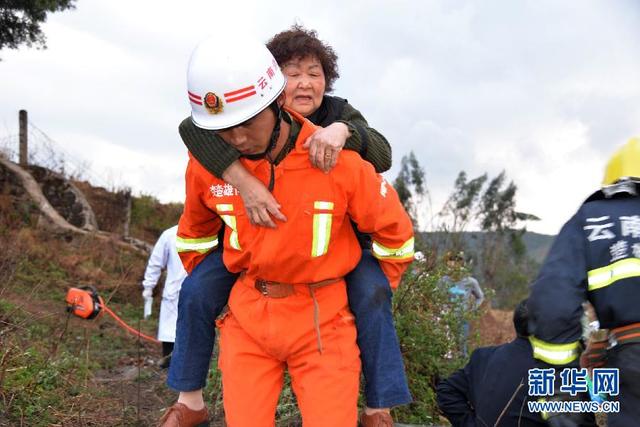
pixel 325 144
pixel 259 203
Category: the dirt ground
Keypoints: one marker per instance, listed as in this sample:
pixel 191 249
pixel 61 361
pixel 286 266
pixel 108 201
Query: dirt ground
pixel 495 327
pixel 133 388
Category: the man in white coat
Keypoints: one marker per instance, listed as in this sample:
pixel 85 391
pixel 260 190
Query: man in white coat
pixel 164 255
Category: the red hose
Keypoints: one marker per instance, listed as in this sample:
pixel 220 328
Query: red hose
pixel 127 327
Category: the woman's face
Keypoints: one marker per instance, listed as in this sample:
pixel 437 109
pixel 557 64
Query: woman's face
pixel 305 84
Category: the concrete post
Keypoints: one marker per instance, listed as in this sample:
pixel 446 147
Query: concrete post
pixel 127 215
pixel 24 149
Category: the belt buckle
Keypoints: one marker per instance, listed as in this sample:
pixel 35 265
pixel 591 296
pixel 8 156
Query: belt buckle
pixel 612 341
pixel 262 287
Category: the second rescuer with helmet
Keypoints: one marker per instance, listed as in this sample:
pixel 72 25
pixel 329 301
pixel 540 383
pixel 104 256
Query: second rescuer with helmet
pixel 289 306
pixel 596 257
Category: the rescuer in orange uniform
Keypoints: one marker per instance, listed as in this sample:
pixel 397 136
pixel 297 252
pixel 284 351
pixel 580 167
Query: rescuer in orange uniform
pixel 289 307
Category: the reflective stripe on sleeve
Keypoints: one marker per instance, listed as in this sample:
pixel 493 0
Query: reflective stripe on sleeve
pixel 554 354
pixel 403 252
pixel 201 245
pixel 605 276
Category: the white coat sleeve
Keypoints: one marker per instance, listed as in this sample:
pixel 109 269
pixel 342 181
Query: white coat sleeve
pixel 157 261
pixel 476 290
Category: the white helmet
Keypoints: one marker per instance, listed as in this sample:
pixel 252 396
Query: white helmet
pixel 230 81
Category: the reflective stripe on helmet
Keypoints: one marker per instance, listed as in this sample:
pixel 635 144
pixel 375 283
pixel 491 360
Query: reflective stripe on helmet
pixel 554 354
pixel 403 252
pixel 201 245
pixel 605 276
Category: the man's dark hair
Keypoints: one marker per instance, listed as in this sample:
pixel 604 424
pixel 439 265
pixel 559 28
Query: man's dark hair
pixel 297 43
pixel 521 319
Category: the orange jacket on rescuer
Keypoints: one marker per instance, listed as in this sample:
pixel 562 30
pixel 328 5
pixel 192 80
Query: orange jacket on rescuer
pixel 318 207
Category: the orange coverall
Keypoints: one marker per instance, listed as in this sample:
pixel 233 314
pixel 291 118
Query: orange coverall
pixel 311 330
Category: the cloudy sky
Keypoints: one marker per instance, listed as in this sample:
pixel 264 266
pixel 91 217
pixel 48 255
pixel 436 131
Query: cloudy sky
pixel 543 89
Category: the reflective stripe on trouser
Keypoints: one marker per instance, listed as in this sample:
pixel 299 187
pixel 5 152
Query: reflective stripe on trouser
pixel 281 334
pixel 555 354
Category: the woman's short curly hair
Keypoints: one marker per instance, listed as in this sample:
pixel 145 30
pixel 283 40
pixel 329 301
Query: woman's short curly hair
pixel 297 42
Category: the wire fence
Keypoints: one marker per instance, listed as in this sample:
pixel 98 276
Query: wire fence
pixel 9 147
pixel 44 151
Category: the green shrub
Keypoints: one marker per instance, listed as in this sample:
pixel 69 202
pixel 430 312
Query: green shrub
pixel 149 217
pixel 429 324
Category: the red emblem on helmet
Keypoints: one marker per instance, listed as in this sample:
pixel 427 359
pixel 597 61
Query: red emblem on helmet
pixel 213 103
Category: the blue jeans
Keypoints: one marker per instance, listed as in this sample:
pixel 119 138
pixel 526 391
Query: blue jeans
pixel 206 291
pixel 203 295
pixel 369 296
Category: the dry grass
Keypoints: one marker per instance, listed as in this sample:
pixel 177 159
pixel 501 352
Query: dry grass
pixel 61 370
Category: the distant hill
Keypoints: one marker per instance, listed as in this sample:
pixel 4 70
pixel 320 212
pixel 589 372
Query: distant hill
pixel 537 244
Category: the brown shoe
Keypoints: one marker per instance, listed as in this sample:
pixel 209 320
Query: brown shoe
pixel 378 419
pixel 179 415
